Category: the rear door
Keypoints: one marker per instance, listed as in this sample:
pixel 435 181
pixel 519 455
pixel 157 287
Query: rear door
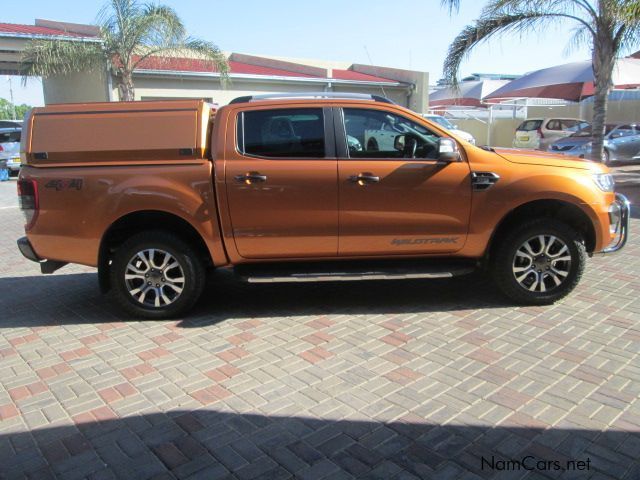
pixel 558 128
pixel 281 182
pixel 392 201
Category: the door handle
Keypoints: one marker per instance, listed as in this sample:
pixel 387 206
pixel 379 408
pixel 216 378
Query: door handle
pixel 250 177
pixel 364 178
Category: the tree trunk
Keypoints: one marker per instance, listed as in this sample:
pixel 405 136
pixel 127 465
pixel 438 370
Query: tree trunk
pixel 604 58
pixel 125 86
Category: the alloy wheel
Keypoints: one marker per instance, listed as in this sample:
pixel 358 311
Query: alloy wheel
pixel 542 263
pixel 154 278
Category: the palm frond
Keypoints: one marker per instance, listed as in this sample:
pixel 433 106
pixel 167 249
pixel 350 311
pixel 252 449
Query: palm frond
pixel 159 25
pixel 117 21
pixel 195 47
pixel 581 36
pixel 630 38
pixel 452 5
pixel 210 52
pixel 579 11
pixel 48 58
pixel 581 8
pixel 484 28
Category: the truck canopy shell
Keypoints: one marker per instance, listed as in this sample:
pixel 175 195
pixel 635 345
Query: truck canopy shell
pixel 117 132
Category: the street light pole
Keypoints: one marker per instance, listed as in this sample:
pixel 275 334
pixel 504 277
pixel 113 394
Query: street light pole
pixel 13 105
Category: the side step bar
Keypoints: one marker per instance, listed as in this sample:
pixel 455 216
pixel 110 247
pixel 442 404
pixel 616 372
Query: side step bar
pixel 293 273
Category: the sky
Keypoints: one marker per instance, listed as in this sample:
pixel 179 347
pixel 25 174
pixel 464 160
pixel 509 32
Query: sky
pixel 410 34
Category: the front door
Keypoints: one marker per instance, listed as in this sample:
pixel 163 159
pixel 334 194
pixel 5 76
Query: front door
pixel 281 183
pixel 395 197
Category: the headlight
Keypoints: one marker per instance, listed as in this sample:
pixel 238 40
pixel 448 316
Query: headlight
pixel 605 181
pixel 586 146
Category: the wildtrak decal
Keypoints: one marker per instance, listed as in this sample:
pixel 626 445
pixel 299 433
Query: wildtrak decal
pixel 423 241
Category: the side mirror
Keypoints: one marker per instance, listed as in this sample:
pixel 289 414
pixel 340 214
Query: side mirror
pixel 448 150
pixel 399 142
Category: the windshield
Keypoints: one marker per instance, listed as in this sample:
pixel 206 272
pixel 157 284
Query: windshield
pixel 586 132
pixel 441 121
pixel 530 125
pixel 10 137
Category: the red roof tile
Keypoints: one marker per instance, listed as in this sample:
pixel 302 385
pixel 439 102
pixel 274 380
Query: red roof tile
pixel 35 30
pixel 199 65
pixel 351 75
pixel 248 69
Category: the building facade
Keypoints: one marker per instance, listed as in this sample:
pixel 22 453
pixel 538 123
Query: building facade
pixel 183 77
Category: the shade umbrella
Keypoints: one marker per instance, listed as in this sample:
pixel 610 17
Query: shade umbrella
pixel 468 94
pixel 571 81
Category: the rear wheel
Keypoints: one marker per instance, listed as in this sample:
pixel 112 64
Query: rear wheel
pixel 156 275
pixel 539 262
pixel 605 156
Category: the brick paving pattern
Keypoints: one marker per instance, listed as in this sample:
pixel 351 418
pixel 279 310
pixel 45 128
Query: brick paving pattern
pixel 416 379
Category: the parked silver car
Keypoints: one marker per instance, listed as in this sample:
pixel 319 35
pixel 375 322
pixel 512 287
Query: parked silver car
pixel 539 133
pixel 621 143
pixel 10 148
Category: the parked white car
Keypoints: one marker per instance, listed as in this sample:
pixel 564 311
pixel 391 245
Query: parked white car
pixel 10 148
pixel 442 121
pixel 539 133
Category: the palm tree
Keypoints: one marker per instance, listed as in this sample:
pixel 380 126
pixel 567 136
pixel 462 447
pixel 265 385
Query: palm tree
pixel 609 27
pixel 130 33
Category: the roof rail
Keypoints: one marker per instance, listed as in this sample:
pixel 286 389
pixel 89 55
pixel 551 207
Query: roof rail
pixel 310 95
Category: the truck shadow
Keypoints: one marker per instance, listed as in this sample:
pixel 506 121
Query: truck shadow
pixel 75 299
pixel 213 444
pixel 227 297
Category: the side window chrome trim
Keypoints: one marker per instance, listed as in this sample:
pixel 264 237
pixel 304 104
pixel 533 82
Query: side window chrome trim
pixel 328 136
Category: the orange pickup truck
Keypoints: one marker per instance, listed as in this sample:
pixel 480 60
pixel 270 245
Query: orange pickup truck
pixel 299 188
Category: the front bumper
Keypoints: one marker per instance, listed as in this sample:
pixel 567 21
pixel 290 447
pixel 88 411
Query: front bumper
pixel 622 226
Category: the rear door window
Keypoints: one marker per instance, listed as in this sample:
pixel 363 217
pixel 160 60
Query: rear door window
pixel 570 125
pixel 622 131
pixel 554 125
pixel 282 133
pixel 530 125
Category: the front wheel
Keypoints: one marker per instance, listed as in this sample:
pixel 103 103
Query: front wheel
pixel 539 262
pixel 156 275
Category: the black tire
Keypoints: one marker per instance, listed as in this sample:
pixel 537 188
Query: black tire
pixel 503 264
pixel 372 145
pixel 606 156
pixel 189 265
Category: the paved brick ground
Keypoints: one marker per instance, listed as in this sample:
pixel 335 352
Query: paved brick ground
pixel 377 380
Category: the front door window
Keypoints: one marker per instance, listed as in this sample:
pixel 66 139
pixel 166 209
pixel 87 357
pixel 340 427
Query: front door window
pixel 380 134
